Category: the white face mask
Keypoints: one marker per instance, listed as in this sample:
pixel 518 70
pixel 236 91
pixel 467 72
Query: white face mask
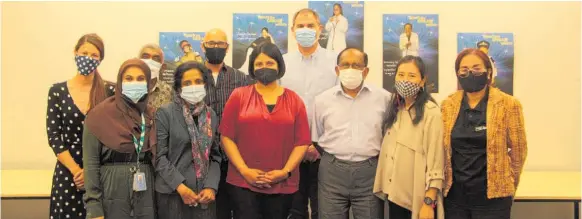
pixel 154 67
pixel 193 94
pixel 351 78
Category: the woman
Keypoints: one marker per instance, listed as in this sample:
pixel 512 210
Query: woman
pixel 337 27
pixel 188 158
pixel 264 38
pixel 412 152
pixel 68 102
pixel 118 144
pixel 484 141
pixel 265 133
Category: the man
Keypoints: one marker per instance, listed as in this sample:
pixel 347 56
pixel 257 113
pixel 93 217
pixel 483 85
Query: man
pixel 226 79
pixel 161 92
pixel 189 54
pixel 483 45
pixel 310 71
pixel 409 43
pixel 347 125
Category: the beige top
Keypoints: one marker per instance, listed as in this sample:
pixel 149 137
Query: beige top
pixel 412 160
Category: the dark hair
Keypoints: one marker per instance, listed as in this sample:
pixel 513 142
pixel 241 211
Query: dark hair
pixel 349 48
pixel 265 29
pixel 305 10
pixel 422 97
pixel 187 66
pixel 478 53
pixel 270 50
pixel 409 24
pixel 183 41
pixel 340 7
pixel 98 92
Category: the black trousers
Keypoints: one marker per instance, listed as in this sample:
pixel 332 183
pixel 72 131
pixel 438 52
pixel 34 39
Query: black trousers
pixel 223 203
pixel 461 203
pixel 397 212
pixel 253 205
pixel 307 191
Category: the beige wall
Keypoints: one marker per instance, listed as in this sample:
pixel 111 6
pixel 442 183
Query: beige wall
pixel 38 40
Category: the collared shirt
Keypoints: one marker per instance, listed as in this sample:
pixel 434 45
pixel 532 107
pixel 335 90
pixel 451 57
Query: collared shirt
pixel 350 128
pixel 469 147
pixel 217 93
pixel 310 76
pixel 160 95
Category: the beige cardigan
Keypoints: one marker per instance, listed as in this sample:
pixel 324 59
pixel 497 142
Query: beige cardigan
pixel 412 160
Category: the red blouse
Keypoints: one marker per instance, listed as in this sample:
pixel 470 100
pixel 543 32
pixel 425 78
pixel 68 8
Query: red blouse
pixel 265 140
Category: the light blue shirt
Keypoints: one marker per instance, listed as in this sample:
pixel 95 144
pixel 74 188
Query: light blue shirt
pixel 350 128
pixel 310 76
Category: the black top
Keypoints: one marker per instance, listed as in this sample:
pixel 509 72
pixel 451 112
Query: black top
pixel 270 107
pixel 469 146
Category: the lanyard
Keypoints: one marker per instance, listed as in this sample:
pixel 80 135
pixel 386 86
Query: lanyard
pixel 139 144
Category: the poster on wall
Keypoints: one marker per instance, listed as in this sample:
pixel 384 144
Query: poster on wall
pixel 179 47
pixel 411 34
pixel 343 23
pixel 252 30
pixel 499 48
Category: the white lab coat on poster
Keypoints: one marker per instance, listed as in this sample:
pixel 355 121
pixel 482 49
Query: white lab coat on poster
pixel 414 46
pixel 336 38
pixel 494 69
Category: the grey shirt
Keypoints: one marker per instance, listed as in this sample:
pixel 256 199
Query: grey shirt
pixel 174 164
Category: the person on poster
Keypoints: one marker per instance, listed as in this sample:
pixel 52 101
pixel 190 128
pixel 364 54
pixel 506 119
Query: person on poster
pixel 310 71
pixel 189 54
pixel 409 42
pixel 161 92
pixel 337 27
pixel 483 45
pixel 264 38
pixel 225 80
pixel 347 126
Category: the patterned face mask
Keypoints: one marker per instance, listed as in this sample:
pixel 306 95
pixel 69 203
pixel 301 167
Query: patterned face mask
pixel 406 88
pixel 86 65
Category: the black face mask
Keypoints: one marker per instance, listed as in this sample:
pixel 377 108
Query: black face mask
pixel 473 83
pixel 215 55
pixel 266 75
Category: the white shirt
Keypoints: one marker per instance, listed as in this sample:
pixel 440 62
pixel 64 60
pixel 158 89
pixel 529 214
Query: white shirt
pixel 414 44
pixel 350 128
pixel 336 39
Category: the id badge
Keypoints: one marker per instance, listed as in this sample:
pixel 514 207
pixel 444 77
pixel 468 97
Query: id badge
pixel 139 182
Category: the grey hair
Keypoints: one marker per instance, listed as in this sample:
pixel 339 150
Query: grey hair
pixel 154 47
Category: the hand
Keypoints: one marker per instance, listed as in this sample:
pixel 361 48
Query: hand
pixel 206 196
pixel 189 197
pixel 408 44
pixel 252 176
pixel 275 176
pixel 79 179
pixel 426 212
pixel 332 19
pixel 99 217
pixel 312 154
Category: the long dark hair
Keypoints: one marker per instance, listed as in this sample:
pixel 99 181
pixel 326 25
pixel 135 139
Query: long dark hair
pixel 422 97
pixel 98 93
pixel 340 7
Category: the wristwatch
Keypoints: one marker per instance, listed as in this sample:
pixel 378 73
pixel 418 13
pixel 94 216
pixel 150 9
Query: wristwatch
pixel 288 174
pixel 428 201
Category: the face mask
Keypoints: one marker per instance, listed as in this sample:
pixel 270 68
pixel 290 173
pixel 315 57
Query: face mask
pixel 215 56
pixel 351 78
pixel 406 88
pixel 134 90
pixel 266 75
pixel 193 94
pixel 473 83
pixel 154 67
pixel 86 65
pixel 305 37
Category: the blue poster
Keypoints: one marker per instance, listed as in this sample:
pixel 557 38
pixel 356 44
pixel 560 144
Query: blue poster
pixel 179 47
pixel 409 34
pixel 499 47
pixel 343 24
pixel 252 30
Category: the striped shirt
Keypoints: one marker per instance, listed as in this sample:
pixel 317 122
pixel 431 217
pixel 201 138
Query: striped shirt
pixel 218 92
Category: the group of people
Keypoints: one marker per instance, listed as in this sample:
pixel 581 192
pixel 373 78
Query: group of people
pixel 300 129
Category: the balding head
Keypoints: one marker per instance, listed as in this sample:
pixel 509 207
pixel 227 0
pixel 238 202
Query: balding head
pixel 216 35
pixel 216 42
pixel 352 58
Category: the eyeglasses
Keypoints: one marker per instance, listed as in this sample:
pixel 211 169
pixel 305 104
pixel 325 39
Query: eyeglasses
pixel 477 71
pixel 353 65
pixel 213 44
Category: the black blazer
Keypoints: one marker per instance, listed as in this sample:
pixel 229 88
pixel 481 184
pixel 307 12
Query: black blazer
pixel 174 152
